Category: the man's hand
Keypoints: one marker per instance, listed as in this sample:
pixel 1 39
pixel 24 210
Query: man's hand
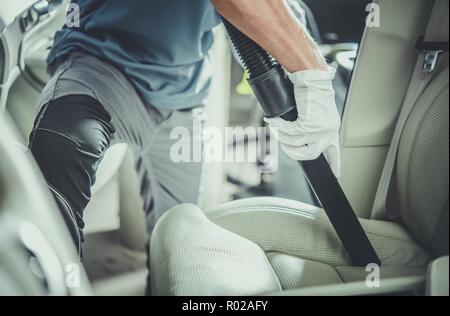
pixel 316 131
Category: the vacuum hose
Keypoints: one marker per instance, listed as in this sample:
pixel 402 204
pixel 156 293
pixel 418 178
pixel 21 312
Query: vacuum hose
pixel 275 92
pixel 269 81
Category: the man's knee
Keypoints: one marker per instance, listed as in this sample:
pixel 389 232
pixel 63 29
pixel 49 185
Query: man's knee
pixel 74 121
pixel 68 142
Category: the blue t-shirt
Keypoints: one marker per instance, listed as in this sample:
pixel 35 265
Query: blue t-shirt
pixel 160 45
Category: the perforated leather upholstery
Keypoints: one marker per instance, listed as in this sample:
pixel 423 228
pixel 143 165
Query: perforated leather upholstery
pixel 260 246
pixel 422 168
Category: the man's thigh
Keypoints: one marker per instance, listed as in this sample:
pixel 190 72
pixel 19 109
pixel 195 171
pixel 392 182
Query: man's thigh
pixel 81 74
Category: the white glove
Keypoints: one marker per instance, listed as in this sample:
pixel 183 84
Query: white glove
pixel 316 131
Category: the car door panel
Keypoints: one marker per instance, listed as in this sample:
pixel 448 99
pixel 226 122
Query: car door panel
pixel 35 250
pixel 27 76
pixel 23 24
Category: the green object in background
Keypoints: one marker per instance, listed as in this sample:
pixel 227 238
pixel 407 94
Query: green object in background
pixel 243 88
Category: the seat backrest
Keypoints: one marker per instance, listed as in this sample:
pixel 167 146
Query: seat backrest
pixel 421 179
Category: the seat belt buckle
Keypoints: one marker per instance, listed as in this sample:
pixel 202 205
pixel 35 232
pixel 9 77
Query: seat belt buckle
pixel 432 50
pixel 431 58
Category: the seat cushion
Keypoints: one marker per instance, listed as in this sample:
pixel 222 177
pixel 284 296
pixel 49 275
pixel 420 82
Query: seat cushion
pixel 294 272
pixel 265 245
pixel 304 231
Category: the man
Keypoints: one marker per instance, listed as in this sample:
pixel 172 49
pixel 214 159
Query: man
pixel 136 69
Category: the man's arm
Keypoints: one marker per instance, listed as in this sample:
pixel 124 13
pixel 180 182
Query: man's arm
pixel 270 24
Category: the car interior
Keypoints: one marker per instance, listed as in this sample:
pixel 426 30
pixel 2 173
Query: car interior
pixel 250 234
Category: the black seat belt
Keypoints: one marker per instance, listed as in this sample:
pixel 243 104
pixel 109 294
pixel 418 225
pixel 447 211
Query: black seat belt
pixel 275 93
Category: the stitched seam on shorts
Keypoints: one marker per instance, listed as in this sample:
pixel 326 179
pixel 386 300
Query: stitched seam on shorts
pixel 46 106
pixel 82 84
pixel 59 134
pixel 78 145
pixel 59 77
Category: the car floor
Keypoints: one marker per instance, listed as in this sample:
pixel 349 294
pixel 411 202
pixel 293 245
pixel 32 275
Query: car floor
pixel 112 268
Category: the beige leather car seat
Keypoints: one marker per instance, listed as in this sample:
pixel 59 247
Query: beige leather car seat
pixel 265 245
